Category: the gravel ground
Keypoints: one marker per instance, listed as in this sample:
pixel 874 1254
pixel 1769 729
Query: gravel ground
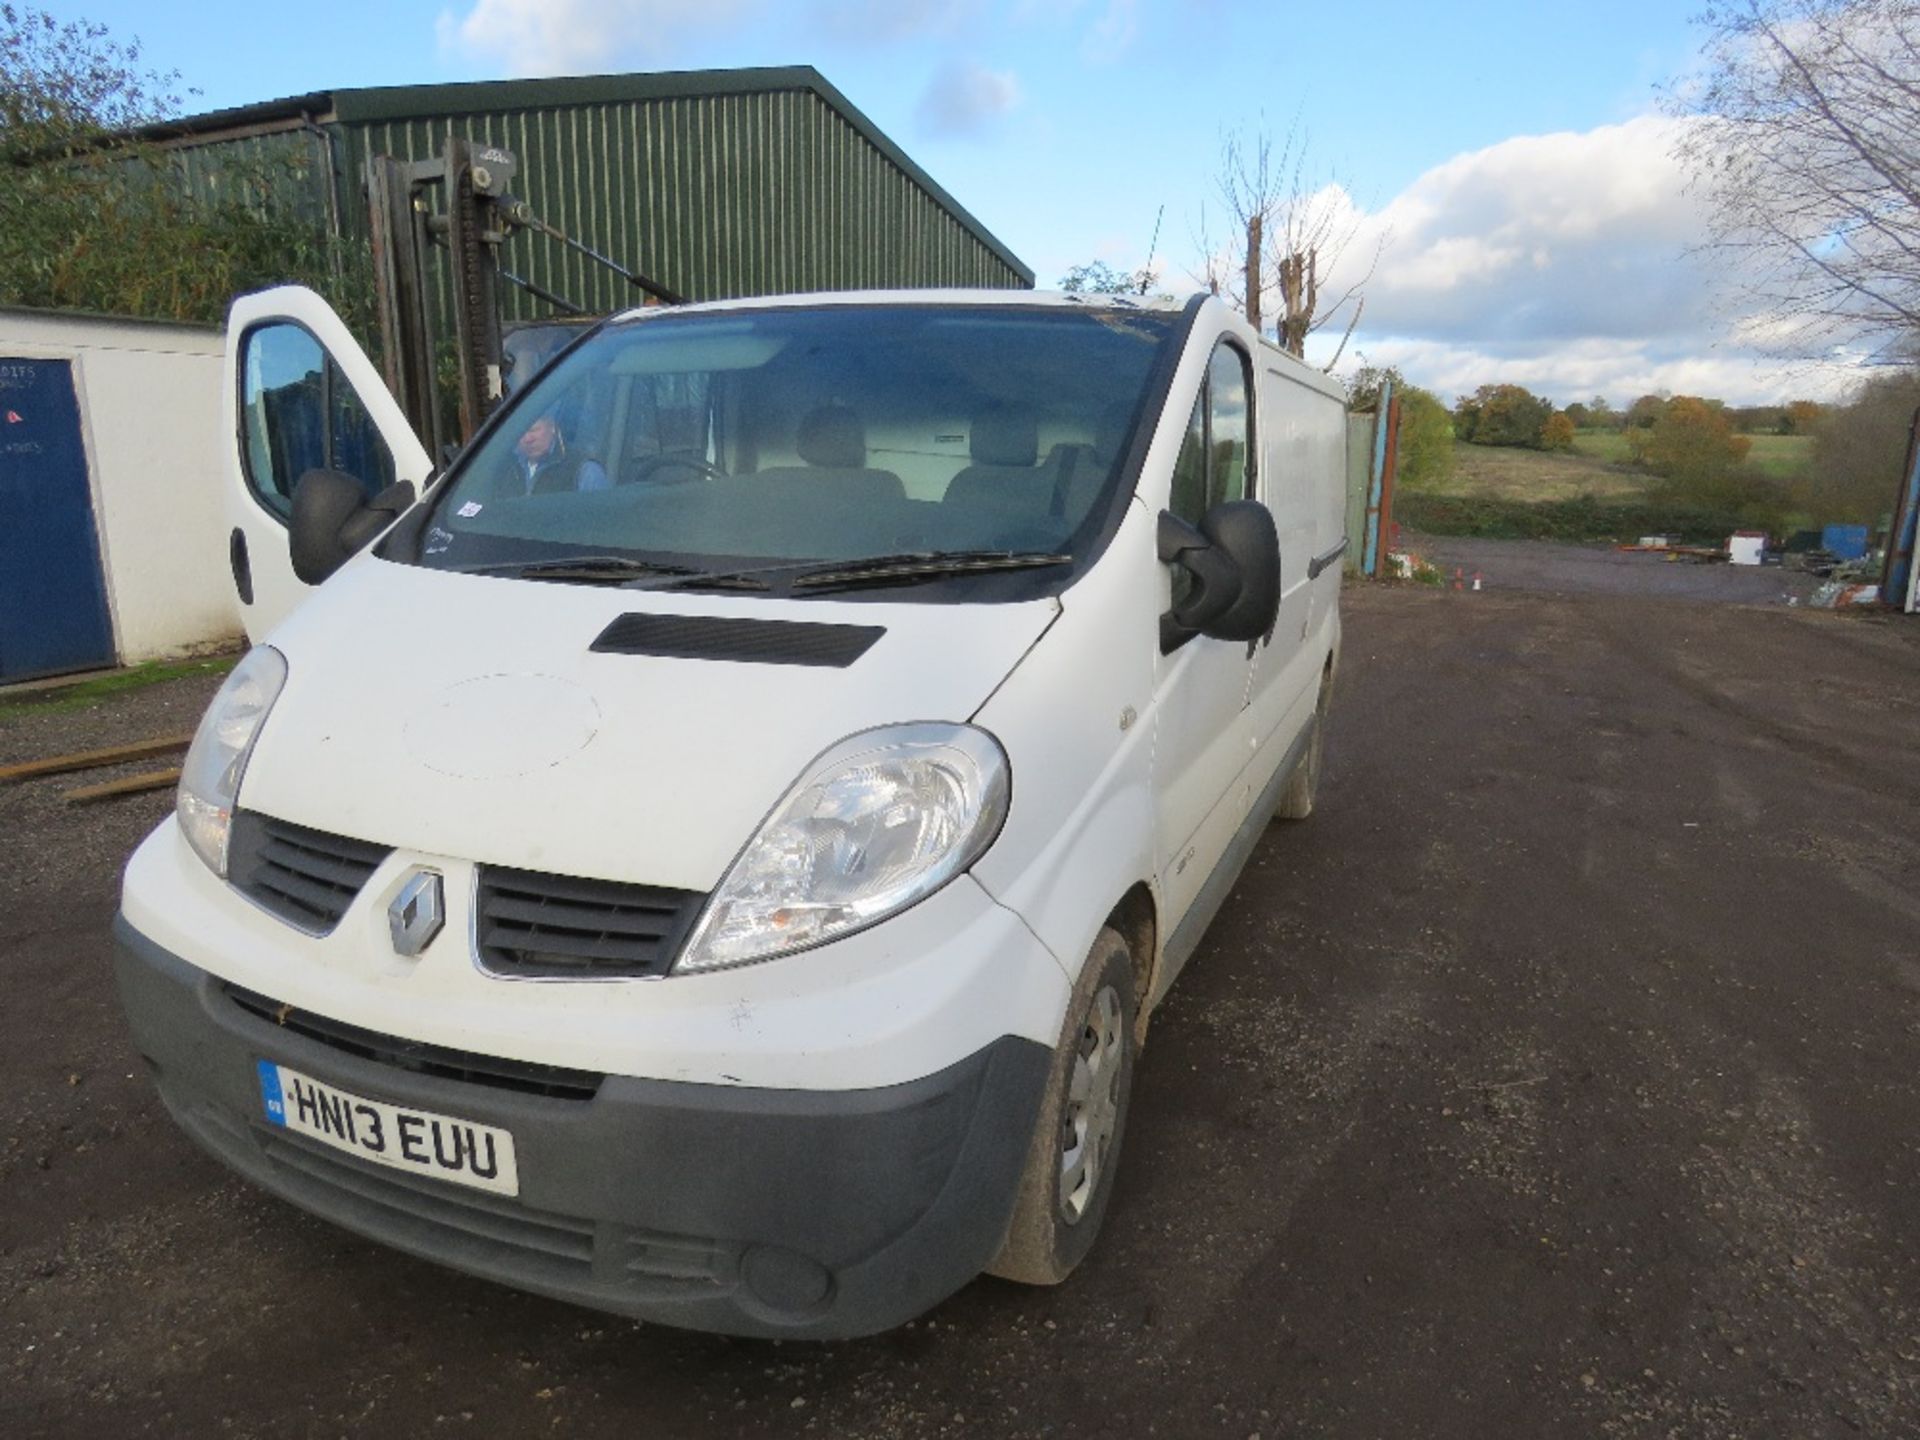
pixel 1534 565
pixel 1556 1079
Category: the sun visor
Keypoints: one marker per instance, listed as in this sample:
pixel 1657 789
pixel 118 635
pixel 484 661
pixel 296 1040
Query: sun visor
pixel 693 354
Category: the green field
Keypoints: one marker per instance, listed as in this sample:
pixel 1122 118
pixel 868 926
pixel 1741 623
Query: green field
pixel 1507 473
pixel 1781 457
pixel 1778 457
pixel 1606 445
pixel 1590 493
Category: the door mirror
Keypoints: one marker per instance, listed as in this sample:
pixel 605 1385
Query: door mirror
pixel 1234 559
pixel 332 518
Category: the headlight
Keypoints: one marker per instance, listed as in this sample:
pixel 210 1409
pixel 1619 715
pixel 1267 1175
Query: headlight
pixel 879 822
pixel 210 778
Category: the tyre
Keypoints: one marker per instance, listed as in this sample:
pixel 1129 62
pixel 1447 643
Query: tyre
pixel 1296 799
pixel 1068 1177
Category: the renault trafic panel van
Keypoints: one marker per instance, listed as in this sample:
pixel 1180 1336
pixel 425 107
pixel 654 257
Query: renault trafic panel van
pixel 712 853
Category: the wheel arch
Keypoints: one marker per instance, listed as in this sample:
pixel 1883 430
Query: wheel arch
pixel 1137 920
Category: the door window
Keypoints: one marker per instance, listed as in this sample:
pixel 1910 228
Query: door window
pixel 1228 426
pixel 1212 465
pixel 300 414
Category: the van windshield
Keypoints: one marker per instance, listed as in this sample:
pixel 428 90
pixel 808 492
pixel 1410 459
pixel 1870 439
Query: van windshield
pixel 764 442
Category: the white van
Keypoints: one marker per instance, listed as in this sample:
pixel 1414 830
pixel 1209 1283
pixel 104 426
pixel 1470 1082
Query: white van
pixel 712 857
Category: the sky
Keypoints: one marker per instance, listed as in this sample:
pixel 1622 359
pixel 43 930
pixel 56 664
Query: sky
pixel 1505 168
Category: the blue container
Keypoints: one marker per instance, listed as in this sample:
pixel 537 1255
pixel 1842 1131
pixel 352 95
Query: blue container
pixel 1848 542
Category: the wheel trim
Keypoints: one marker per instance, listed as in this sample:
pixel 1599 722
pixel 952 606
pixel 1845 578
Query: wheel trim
pixel 1092 1110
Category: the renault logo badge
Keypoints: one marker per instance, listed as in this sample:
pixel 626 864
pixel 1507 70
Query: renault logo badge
pixel 417 913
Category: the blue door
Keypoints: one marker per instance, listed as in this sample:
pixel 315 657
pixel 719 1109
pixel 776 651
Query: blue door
pixel 53 600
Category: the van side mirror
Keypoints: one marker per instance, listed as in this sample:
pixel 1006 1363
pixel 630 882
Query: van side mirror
pixel 1234 558
pixel 332 518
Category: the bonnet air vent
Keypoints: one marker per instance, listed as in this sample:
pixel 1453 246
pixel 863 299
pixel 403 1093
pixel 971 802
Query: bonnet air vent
pixel 752 642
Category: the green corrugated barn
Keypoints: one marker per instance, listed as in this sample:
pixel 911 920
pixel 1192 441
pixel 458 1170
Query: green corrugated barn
pixel 714 183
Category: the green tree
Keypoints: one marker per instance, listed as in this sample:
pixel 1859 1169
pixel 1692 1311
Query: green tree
pixel 1502 415
pixel 97 218
pixel 1860 450
pixel 1758 419
pixel 1424 445
pixel 1693 447
pixel 1802 417
pixel 1365 384
pixel 1578 413
pixel 1645 412
pixel 1701 465
pixel 1425 440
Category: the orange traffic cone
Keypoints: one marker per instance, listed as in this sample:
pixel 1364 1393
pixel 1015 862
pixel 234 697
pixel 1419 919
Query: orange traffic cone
pixel 1459 578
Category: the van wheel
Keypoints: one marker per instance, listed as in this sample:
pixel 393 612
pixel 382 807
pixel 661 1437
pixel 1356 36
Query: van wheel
pixel 1296 798
pixel 1076 1142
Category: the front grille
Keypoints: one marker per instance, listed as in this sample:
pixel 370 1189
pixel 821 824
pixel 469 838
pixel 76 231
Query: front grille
pixel 560 927
pixel 553 1081
pixel 306 877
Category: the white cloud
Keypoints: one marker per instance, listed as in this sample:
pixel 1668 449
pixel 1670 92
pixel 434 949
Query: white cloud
pixel 1561 262
pixel 1579 370
pixel 964 98
pixel 557 37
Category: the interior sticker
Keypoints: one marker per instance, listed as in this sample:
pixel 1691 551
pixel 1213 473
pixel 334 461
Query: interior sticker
pixel 470 509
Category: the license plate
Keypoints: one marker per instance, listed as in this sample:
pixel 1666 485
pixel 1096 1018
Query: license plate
pixel 419 1141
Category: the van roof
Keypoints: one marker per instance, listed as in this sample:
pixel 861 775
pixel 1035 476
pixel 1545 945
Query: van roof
pixel 1054 299
pixel 1274 357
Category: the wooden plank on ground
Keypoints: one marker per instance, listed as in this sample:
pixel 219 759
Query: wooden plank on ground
pixel 127 785
pixel 93 759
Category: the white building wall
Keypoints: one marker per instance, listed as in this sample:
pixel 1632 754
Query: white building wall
pixel 149 398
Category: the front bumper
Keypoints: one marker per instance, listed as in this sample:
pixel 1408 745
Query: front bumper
pixel 753 1211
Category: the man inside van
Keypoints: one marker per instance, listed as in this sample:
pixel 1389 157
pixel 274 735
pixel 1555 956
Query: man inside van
pixel 542 464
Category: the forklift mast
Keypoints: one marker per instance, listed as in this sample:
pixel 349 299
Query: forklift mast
pixel 481 215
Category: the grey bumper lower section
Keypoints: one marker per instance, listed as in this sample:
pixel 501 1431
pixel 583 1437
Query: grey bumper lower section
pixel 789 1214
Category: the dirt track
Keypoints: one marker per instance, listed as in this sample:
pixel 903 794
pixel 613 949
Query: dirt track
pixel 1557 1079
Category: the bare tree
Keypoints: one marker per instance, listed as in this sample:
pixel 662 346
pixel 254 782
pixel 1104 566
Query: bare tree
pixel 1805 140
pixel 1272 196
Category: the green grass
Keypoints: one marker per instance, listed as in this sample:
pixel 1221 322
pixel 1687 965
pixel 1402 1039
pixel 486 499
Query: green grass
pixel 1589 494
pixel 1507 473
pixel 136 677
pixel 1610 447
pixel 1778 457
pixel 1781 457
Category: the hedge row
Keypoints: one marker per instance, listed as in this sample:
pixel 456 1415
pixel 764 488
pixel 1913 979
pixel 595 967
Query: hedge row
pixel 1579 519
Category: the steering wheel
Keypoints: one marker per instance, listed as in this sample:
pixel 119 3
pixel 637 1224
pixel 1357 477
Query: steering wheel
pixel 702 469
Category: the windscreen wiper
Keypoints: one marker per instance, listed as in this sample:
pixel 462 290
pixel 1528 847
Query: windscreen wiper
pixel 582 569
pixel 691 579
pixel 912 566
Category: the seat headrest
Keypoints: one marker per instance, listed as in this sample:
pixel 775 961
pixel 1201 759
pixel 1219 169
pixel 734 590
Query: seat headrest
pixel 833 437
pixel 1004 435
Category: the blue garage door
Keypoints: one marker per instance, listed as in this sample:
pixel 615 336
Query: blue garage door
pixel 53 600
